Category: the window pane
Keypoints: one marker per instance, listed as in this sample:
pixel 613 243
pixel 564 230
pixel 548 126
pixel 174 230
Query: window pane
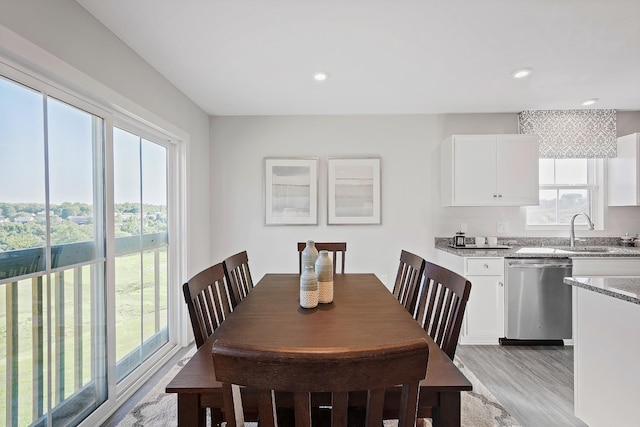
pixel 126 163
pixel 545 213
pixel 570 203
pixel 128 315
pixel 22 183
pixel 546 169
pixel 154 187
pixel 571 171
pixel 71 134
pixel 140 196
pixel 54 323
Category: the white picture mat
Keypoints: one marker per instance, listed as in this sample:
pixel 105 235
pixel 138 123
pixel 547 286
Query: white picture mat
pixel 291 191
pixel 353 191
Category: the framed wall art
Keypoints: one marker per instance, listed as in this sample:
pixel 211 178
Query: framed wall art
pixel 353 191
pixel 291 191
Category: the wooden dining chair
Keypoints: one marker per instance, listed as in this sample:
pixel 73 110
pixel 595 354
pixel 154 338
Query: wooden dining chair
pixel 207 297
pixel 441 304
pixel 408 277
pixel 334 248
pixel 304 371
pixel 236 268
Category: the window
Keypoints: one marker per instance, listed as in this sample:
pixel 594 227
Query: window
pixel 567 187
pixel 86 214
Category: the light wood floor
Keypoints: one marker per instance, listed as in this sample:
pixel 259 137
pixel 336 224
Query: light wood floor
pixel 535 384
pixel 142 392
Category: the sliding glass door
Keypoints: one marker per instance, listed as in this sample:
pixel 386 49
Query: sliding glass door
pixel 52 259
pixel 141 284
pixel 85 254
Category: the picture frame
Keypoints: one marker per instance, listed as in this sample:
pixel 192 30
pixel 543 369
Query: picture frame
pixel 353 191
pixel 291 191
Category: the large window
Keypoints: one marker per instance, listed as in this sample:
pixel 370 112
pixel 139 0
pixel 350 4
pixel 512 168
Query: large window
pixel 85 254
pixel 567 187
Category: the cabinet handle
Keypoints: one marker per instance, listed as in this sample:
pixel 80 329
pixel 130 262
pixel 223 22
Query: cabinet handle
pixel 486 266
pixel 499 195
pixel 500 284
pixel 495 195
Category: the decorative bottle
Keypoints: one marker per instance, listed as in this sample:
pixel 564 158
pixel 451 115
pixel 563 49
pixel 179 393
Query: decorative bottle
pixel 308 288
pixel 309 255
pixel 324 272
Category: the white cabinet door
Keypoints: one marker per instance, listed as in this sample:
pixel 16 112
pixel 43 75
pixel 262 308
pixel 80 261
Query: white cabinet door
pixel 489 170
pixel 517 171
pixel 624 172
pixel 474 169
pixel 483 321
pixel 484 317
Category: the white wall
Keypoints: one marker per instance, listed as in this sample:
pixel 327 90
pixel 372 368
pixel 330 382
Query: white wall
pixel 63 41
pixel 411 211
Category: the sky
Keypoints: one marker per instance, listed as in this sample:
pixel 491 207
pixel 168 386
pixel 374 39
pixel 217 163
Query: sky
pixel 70 130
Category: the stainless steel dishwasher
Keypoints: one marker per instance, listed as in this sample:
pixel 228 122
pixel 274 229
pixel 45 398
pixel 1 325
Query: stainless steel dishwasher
pixel 538 303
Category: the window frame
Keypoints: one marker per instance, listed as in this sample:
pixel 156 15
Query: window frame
pixel 594 186
pixel 52 77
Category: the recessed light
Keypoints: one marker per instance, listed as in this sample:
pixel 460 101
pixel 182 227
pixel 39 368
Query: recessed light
pixel 589 101
pixel 320 76
pixel 521 73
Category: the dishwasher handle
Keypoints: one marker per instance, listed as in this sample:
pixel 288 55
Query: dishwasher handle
pixel 540 265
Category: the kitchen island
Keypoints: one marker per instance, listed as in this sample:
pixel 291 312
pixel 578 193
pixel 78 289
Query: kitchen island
pixel 606 349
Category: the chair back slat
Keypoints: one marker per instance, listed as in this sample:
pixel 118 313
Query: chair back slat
pixel 236 268
pixel 334 248
pixel 208 301
pixel 336 371
pixel 408 278
pixel 442 300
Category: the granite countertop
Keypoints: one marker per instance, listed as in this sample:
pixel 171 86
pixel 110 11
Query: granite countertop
pixel 534 247
pixel 624 288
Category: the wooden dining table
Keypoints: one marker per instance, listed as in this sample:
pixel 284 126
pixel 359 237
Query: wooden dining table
pixel 363 313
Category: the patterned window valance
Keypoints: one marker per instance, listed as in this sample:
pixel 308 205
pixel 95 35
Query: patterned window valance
pixel 572 134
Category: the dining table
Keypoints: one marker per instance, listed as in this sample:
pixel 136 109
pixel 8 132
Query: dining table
pixel 363 313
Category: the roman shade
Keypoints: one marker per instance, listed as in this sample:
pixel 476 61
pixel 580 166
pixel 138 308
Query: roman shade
pixel 571 134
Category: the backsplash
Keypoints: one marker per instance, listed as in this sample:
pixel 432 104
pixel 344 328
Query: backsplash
pixel 542 241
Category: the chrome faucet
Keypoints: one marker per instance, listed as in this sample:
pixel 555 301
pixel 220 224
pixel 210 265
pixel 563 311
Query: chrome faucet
pixel 572 232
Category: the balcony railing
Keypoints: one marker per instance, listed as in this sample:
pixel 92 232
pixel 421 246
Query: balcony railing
pixel 55 324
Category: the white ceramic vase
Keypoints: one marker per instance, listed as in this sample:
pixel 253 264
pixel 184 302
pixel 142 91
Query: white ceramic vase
pixel 308 288
pixel 309 255
pixel 324 272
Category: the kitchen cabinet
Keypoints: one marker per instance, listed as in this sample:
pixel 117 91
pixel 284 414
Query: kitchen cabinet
pixel 624 172
pixel 489 170
pixel 483 321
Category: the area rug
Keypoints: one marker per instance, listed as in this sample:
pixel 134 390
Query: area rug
pixel 479 407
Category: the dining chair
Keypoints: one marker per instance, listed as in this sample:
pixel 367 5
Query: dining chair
pixel 334 248
pixel 408 279
pixel 338 371
pixel 441 304
pixel 236 268
pixel 208 300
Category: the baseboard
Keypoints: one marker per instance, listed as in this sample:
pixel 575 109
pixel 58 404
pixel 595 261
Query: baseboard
pixel 510 341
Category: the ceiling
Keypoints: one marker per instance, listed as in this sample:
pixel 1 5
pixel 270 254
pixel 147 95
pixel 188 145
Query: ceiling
pixel 258 57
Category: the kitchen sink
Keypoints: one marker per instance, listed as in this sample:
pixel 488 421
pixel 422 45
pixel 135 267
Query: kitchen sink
pixel 566 250
pixel 590 249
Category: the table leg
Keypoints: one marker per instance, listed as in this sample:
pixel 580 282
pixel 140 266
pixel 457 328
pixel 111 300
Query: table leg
pixel 448 413
pixel 189 411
